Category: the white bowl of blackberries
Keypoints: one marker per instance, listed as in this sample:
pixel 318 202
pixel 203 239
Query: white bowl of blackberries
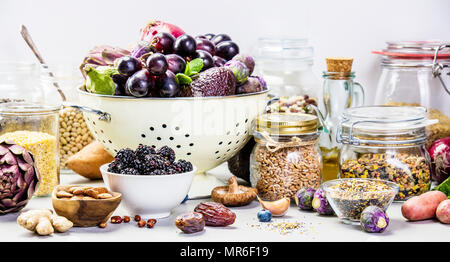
pixel 167 62
pixel 152 181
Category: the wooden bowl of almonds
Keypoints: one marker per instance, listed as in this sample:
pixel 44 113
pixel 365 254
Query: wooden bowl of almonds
pixel 85 206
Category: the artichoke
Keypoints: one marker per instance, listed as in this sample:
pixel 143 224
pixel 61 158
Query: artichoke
pixel 19 177
pixel 103 55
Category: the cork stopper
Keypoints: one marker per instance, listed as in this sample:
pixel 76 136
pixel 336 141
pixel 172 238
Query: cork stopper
pixel 339 64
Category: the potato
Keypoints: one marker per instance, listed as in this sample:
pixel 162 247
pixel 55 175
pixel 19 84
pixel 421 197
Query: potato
pixel 423 206
pixel 87 162
pixel 443 212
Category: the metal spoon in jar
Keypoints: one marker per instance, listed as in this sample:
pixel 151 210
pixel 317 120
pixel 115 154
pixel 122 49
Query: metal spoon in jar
pixel 27 37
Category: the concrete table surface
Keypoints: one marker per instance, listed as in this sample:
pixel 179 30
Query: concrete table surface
pixel 247 228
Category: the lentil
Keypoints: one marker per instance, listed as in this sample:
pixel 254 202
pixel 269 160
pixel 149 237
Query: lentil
pixel 410 172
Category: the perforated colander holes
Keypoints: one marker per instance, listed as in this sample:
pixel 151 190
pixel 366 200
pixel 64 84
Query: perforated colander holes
pixel 170 138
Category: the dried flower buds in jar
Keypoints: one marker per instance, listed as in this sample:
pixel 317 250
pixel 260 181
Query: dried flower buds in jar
pixel 293 104
pixel 73 133
pixel 286 156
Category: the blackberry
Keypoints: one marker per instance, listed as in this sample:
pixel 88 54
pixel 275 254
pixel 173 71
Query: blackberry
pixel 157 172
pixel 115 166
pixel 126 156
pixel 129 171
pixel 155 162
pixel 167 153
pixel 143 150
pixel 182 166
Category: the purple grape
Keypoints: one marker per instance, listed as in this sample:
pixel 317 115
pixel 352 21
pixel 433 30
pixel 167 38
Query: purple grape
pixel 176 63
pixel 219 61
pixel 206 45
pixel 120 81
pixel 163 42
pixel 209 36
pixel 128 65
pixel 185 46
pixel 227 50
pixel 157 64
pixel 220 38
pixel 208 61
pixel 139 84
pixel 167 85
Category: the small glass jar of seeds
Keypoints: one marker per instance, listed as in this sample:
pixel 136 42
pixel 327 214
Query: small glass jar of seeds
pixel 388 143
pixel 34 127
pixel 286 156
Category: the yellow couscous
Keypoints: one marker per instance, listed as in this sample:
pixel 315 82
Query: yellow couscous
pixel 44 149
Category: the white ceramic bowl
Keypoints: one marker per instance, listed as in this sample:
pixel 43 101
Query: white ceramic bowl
pixel 149 196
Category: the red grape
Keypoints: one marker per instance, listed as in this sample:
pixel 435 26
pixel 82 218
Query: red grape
pixel 220 38
pixel 157 64
pixel 185 46
pixel 208 61
pixel 128 65
pixel 219 61
pixel 176 63
pixel 227 50
pixel 139 84
pixel 163 42
pixel 205 45
pixel 209 36
pixel 167 85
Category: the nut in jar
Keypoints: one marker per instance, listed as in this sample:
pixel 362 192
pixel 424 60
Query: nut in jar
pixel 74 133
pixel 286 156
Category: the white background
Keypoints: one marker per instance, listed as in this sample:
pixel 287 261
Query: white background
pixel 65 30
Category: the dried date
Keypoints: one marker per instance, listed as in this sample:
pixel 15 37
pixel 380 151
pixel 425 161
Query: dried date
pixel 215 214
pixel 190 222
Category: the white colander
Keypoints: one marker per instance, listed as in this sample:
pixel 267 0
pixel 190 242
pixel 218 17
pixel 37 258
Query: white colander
pixel 206 131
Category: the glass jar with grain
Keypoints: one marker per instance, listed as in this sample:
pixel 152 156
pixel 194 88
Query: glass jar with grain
pixel 388 143
pixel 286 156
pixel 34 127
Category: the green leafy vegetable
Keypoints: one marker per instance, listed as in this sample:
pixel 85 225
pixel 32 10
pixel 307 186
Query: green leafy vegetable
pixel 195 66
pixel 183 79
pixel 192 68
pixel 99 80
pixel 444 187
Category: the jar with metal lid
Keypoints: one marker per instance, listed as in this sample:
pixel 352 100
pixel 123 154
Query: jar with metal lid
pixel 286 66
pixel 386 142
pixel 34 127
pixel 286 156
pixel 415 73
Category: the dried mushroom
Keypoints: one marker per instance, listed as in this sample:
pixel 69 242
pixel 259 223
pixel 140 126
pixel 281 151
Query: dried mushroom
pixel 234 194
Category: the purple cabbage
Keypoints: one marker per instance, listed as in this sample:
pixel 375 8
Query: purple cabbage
pixel 320 203
pixel 374 219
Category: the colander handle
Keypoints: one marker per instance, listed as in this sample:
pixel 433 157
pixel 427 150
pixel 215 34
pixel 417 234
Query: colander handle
pixel 102 116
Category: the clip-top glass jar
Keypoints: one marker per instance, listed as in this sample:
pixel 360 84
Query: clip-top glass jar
pixel 416 73
pixel 286 66
pixel 34 127
pixel 386 142
pixel 286 156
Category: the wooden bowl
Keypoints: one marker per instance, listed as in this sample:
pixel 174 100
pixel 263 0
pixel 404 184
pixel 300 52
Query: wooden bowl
pixel 85 213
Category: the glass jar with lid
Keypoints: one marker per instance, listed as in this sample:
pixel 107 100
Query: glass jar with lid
pixel 386 142
pixel 286 156
pixel 34 127
pixel 415 73
pixel 286 66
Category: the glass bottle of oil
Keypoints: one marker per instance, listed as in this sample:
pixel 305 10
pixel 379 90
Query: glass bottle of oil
pixel 339 92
